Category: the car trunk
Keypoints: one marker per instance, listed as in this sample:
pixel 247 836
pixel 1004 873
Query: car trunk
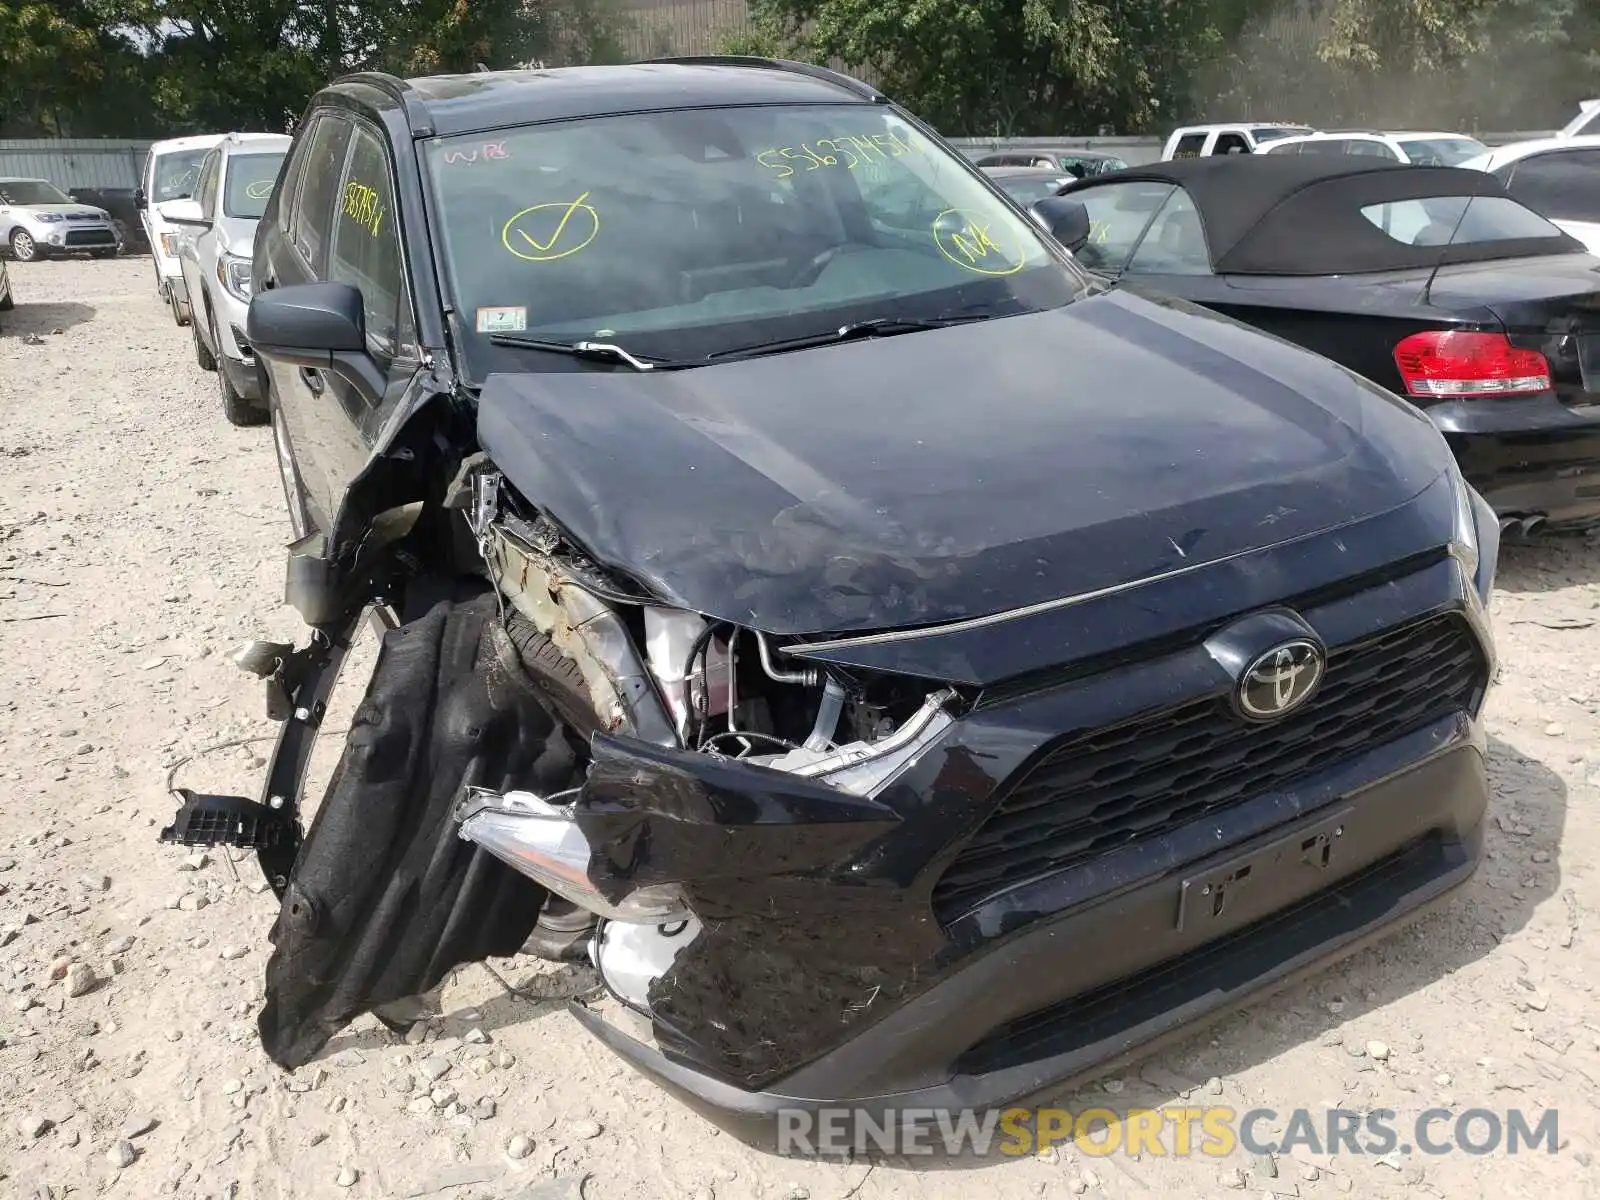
pixel 1549 303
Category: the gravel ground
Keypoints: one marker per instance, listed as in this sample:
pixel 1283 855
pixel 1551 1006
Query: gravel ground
pixel 140 537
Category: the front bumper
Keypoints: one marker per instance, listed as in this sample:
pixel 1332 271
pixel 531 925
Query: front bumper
pixel 1528 457
pixel 843 955
pixel 1112 978
pixel 242 375
pixel 71 237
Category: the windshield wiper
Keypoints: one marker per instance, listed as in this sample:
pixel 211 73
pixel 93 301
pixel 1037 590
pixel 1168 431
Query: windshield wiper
pixel 877 327
pixel 593 351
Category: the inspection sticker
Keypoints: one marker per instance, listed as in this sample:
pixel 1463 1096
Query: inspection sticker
pixel 502 320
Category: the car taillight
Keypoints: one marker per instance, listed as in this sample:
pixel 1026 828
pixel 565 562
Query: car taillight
pixel 1441 362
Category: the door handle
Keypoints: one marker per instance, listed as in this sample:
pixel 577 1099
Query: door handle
pixel 313 380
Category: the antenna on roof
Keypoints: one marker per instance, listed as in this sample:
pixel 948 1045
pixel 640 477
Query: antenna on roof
pixel 1483 182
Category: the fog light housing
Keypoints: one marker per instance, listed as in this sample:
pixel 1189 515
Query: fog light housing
pixel 539 838
pixel 55 239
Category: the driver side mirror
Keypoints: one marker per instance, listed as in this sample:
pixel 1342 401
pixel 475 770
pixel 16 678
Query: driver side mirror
pixel 184 212
pixel 1064 219
pixel 318 325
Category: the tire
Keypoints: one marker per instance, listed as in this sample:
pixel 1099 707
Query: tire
pixel 24 248
pixel 180 317
pixel 294 493
pixel 235 407
pixel 8 303
pixel 203 356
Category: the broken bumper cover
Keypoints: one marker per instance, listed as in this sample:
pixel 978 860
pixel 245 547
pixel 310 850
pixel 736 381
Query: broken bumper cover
pixel 830 961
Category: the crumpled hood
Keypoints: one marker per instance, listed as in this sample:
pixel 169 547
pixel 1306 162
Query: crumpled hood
pixel 956 473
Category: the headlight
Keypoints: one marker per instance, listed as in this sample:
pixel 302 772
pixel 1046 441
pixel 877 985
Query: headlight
pixel 1467 541
pixel 50 218
pixel 234 274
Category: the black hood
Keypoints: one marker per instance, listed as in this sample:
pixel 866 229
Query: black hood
pixel 955 473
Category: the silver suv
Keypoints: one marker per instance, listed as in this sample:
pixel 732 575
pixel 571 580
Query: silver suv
pixel 38 219
pixel 218 230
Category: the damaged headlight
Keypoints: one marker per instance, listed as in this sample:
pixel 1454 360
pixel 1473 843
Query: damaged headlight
pixel 540 839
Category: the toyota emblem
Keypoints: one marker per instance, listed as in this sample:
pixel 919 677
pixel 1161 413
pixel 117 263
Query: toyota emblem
pixel 1280 680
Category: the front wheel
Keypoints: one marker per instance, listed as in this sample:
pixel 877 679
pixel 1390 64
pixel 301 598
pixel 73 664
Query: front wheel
pixel 23 247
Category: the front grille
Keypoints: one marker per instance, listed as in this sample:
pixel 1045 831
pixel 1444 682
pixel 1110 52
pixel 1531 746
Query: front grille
pixel 90 237
pixel 1095 792
pixel 82 217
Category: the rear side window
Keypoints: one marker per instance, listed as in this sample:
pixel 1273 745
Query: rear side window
pixel 1564 186
pixel 1371 149
pixel 1189 145
pixel 1119 213
pixel 1458 220
pixel 323 173
pixel 1175 243
pixel 365 248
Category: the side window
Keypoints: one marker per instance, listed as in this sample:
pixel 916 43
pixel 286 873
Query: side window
pixel 365 251
pixel 1231 143
pixel 1564 185
pixel 314 210
pixel 1118 216
pixel 1373 149
pixel 206 189
pixel 1189 145
pixel 1337 147
pixel 1175 243
pixel 292 175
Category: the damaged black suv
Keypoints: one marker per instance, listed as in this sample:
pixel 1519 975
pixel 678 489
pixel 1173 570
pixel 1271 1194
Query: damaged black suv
pixel 912 671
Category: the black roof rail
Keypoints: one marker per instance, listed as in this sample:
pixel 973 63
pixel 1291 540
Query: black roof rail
pixel 826 74
pixel 402 93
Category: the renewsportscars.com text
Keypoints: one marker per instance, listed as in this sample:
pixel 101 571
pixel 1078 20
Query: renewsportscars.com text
pixel 1177 1131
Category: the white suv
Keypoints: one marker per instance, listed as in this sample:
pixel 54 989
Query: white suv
pixel 171 172
pixel 1417 149
pixel 1202 141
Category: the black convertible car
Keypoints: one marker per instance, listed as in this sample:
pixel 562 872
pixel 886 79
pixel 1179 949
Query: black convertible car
pixel 1431 281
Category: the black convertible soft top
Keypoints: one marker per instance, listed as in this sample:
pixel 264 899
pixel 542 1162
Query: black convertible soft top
pixel 1301 214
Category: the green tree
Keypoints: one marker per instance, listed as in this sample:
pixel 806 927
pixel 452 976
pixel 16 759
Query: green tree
pixel 999 67
pixel 63 73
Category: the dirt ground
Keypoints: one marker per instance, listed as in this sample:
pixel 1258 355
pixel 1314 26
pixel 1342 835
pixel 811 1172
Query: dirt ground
pixel 140 540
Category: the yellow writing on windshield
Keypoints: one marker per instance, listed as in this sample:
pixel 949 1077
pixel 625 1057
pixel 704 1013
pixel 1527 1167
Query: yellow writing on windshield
pixel 1098 231
pixel 965 239
pixel 260 189
pixel 848 150
pixel 363 206
pixel 555 229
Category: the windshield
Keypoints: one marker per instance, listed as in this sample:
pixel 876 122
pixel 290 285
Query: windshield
pixel 251 178
pixel 681 234
pixel 1441 152
pixel 32 191
pixel 1271 133
pixel 176 174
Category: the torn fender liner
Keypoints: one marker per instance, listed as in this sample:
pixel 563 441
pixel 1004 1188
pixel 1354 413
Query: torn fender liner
pixel 385 899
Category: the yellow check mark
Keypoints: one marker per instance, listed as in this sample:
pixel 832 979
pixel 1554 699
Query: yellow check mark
pixel 546 247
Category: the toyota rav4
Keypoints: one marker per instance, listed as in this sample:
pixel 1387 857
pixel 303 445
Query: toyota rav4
pixel 911 671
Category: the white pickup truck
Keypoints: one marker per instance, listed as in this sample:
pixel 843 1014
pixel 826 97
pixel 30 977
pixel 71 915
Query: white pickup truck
pixel 1202 141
